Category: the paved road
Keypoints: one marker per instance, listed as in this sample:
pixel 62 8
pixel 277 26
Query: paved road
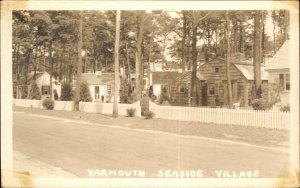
pixel 78 147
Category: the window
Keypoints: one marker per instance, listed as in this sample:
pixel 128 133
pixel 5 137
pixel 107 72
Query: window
pixel 109 89
pixel 217 69
pixel 45 90
pixel 97 92
pixel 287 82
pixel 181 89
pixel 211 90
pixel 284 80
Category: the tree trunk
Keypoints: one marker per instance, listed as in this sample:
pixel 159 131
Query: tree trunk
pixel 183 63
pixel 229 88
pixel 257 53
pixel 79 68
pixel 128 64
pixel 274 36
pixel 194 65
pixel 51 69
pixel 117 77
pixel 138 56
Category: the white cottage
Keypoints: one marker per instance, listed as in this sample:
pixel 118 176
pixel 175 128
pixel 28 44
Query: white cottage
pixel 101 85
pixel 42 80
pixel 279 73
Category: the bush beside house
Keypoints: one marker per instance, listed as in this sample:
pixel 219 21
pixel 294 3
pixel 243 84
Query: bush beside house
pixel 66 92
pixel 48 104
pixel 260 104
pixel 85 94
pixel 34 92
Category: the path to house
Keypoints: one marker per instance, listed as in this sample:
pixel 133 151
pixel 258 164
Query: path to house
pixel 78 147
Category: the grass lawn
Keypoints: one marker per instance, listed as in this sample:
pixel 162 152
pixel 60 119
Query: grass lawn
pixel 252 135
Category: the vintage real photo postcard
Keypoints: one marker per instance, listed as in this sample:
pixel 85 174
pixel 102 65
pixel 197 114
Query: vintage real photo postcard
pixel 150 93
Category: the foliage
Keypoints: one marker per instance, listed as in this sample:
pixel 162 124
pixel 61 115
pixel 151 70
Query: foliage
pixel 260 104
pixel 132 98
pixel 153 97
pixel 144 105
pixel 164 96
pixel 66 92
pixel 48 104
pixel 34 92
pixel 55 95
pixel 149 114
pixel 285 108
pixel 124 91
pixel 85 94
pixel 131 112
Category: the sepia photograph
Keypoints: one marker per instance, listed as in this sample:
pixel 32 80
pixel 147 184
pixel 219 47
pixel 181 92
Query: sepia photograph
pixel 180 96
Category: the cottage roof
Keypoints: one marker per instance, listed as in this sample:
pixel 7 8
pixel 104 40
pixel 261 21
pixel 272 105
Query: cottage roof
pixel 244 66
pixel 93 79
pixel 281 58
pixel 186 77
pixel 248 71
pixel 30 80
pixel 164 77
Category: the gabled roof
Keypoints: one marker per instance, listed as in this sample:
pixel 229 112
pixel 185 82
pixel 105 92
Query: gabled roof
pixel 164 77
pixel 244 66
pixel 281 58
pixel 30 79
pixel 93 79
pixel 248 71
pixel 186 77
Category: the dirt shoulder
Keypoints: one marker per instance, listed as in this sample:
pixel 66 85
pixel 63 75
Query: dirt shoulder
pixel 251 135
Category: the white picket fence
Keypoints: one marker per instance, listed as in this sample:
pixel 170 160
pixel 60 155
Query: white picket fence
pixel 243 117
pixel 93 107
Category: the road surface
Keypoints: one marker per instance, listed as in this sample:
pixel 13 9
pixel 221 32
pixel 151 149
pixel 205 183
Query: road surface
pixel 82 149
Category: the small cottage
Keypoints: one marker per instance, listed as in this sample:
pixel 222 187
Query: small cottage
pixel 161 79
pixel 101 85
pixel 42 79
pixel 213 82
pixel 279 75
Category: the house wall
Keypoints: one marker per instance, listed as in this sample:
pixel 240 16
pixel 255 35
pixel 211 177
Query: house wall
pixel 157 90
pixel 103 91
pixel 276 92
pixel 241 87
pixel 44 80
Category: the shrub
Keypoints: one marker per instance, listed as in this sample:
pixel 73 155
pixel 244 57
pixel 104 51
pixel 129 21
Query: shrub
pixel 55 95
pixel 131 112
pixel 259 104
pixel 66 92
pixel 149 114
pixel 132 98
pixel 124 91
pixel 164 95
pixel 153 97
pixel 34 92
pixel 48 104
pixel 85 94
pixel 144 105
pixel 285 108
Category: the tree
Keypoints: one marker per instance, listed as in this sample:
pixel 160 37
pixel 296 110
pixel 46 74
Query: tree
pixel 257 52
pixel 79 68
pixel 34 92
pixel 195 18
pixel 116 56
pixel 227 60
